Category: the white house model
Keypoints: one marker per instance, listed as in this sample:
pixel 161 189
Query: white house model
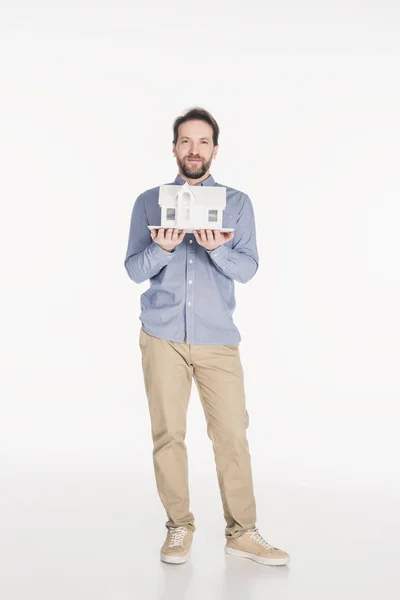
pixel 191 207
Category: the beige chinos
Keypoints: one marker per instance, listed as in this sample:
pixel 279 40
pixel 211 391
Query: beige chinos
pixel 168 369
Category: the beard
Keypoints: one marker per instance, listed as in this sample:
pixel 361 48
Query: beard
pixel 193 170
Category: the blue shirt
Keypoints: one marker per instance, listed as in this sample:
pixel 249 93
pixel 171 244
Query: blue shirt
pixel 192 291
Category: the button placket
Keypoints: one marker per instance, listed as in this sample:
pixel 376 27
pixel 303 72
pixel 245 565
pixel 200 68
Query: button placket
pixel 189 291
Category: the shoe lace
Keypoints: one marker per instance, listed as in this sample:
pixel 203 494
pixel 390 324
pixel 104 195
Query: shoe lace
pixel 257 537
pixel 177 536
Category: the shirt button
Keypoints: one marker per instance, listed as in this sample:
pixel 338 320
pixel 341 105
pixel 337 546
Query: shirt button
pixel 190 241
pixel 190 282
pixel 189 304
pixel 190 261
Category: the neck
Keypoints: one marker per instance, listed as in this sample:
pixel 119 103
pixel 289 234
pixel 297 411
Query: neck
pixel 194 181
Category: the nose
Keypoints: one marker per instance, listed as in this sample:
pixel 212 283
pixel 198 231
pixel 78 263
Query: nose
pixel 194 149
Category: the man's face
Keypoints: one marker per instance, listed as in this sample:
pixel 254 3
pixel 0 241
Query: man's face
pixel 194 150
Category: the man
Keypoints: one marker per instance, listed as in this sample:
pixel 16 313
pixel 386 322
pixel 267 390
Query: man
pixel 188 332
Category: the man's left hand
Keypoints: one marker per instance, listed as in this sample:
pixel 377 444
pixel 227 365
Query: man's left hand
pixel 211 239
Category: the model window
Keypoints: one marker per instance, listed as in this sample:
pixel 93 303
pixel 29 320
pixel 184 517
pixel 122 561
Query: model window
pixel 170 214
pixel 213 215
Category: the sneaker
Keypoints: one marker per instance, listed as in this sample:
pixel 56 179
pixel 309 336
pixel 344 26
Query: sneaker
pixel 176 548
pixel 252 545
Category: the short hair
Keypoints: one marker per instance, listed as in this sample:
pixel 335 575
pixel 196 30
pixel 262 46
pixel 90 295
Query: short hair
pixel 197 114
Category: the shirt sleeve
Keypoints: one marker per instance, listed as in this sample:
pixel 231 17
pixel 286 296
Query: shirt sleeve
pixel 240 262
pixel 144 258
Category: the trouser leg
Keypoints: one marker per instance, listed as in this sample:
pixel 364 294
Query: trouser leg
pixel 168 380
pixel 219 378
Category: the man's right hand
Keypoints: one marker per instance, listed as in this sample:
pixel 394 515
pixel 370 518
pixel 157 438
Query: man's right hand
pixel 167 239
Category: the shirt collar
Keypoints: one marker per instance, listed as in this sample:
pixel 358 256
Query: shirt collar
pixel 209 181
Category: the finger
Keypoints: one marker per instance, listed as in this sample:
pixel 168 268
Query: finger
pixel 197 235
pixel 168 233
pixel 160 234
pixel 209 235
pixel 174 235
pixel 181 235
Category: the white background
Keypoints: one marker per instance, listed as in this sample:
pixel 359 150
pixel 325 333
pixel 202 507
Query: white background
pixel 307 97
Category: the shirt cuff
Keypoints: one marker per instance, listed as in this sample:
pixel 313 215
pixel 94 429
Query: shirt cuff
pixel 157 252
pixel 219 255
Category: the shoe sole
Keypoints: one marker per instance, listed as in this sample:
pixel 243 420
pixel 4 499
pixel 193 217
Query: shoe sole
pixel 174 560
pixel 272 562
